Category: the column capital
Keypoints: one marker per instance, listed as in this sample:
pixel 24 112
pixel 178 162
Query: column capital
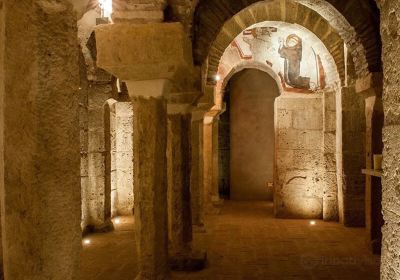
pixel 149 88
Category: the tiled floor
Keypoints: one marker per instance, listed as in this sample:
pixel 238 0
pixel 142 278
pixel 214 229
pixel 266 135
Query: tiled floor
pixel 245 242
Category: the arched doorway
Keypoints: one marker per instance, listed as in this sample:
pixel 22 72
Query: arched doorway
pixel 246 136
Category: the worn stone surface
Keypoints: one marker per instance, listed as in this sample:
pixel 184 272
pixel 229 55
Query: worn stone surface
pixel 299 183
pixel 170 51
pixel 150 139
pixel 41 190
pixel 124 161
pixel 178 166
pixel 196 175
pixel 330 192
pixel 390 184
pixel 352 125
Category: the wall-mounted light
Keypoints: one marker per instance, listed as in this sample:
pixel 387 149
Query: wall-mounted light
pixel 217 78
pixel 313 223
pixel 117 221
pixel 106 8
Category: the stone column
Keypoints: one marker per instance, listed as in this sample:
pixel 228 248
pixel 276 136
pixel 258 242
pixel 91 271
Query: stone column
pixel 40 194
pixel 150 143
pixel 210 152
pixel 179 197
pixel 351 154
pixel 178 158
pixel 196 177
pixel 123 50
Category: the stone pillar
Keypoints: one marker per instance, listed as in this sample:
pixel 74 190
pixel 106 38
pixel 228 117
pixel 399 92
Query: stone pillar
pixel 351 153
pixel 122 49
pixel 196 177
pixel 40 195
pixel 150 143
pixel 178 158
pixel 390 24
pixel 329 200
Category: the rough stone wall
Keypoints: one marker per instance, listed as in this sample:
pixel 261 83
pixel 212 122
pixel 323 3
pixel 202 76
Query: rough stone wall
pixel 124 158
pixel 390 19
pixel 299 157
pixel 2 92
pixel 41 190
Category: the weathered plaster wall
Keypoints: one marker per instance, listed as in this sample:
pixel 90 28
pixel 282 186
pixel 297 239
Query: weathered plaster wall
pixel 299 156
pixel 390 19
pixel 252 134
pixel 124 158
pixel 41 191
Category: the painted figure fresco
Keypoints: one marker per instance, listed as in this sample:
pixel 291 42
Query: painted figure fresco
pixel 294 57
pixel 292 51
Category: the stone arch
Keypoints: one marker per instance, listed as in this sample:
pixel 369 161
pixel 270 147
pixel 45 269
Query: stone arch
pixel 215 39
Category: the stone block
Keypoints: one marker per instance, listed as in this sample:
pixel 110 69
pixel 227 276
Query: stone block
pixel 330 121
pixel 96 164
pixel 308 119
pixel 96 140
pixel 284 118
pixel 120 50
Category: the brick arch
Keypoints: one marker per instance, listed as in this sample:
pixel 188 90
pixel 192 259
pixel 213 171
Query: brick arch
pixel 218 22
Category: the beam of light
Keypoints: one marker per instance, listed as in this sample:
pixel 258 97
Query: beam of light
pixel 106 7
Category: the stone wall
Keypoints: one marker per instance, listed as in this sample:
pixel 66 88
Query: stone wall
pixel 299 134
pixel 390 19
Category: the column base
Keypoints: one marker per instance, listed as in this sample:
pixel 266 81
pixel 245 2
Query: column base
pixel 195 261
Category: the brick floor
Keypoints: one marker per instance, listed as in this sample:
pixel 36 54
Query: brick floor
pixel 245 242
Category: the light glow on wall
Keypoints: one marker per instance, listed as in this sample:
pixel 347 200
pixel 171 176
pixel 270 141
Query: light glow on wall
pixel 106 8
pixel 313 223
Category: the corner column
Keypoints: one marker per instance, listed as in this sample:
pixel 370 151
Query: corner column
pixel 210 151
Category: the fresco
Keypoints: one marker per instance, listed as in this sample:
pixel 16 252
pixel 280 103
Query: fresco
pixel 296 58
